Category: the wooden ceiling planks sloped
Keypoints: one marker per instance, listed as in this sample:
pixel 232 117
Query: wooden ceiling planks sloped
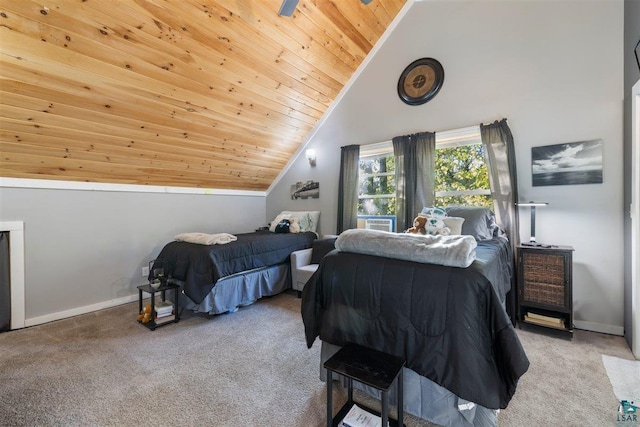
pixel 193 93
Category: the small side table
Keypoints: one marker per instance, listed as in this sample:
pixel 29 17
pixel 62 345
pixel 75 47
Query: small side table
pixel 370 367
pixel 152 324
pixel 545 283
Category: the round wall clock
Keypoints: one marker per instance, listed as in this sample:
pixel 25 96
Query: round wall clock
pixel 420 81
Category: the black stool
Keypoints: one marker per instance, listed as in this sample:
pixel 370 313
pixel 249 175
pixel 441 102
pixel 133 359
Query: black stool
pixel 370 367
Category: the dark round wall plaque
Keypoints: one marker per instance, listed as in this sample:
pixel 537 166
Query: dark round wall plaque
pixel 420 81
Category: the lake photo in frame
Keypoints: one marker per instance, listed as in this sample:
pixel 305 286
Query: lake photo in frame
pixel 567 164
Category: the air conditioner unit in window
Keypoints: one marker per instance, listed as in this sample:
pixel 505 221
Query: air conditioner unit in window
pixel 383 224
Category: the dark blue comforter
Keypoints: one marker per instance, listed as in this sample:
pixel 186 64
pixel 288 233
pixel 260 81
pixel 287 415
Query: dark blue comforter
pixel 448 323
pixel 199 267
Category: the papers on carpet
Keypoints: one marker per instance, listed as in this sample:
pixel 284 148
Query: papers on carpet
pixel 624 376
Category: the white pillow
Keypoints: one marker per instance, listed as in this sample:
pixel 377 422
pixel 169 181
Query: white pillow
pixel 308 219
pixel 454 224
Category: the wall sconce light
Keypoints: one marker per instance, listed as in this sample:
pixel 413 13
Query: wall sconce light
pixel 532 205
pixel 311 156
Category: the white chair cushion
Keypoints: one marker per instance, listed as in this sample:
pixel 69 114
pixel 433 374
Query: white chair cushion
pixel 305 272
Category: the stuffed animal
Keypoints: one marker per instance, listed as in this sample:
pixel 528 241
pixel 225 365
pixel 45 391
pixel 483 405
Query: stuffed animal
pixel 429 225
pixel 419 224
pixel 283 226
pixel 294 225
pixel 288 225
pixel 436 226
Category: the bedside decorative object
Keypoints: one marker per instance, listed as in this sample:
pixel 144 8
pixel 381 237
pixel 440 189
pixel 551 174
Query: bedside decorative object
pixel 165 312
pixel 420 81
pixel 532 239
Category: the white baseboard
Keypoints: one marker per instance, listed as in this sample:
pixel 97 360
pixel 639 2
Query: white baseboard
pixel 599 327
pixel 579 324
pixel 79 310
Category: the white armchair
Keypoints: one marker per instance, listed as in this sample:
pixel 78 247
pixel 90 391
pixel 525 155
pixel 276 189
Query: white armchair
pixel 301 269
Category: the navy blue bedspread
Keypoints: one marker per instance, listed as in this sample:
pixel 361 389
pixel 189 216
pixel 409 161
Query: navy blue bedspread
pixel 199 267
pixel 447 323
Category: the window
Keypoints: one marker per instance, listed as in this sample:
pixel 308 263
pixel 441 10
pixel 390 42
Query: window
pixel 377 194
pixel 461 174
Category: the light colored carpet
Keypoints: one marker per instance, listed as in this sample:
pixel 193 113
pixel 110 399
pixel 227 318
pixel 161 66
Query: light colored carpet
pixel 249 368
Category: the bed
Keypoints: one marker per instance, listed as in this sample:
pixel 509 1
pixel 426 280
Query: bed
pixel 463 357
pixel 219 278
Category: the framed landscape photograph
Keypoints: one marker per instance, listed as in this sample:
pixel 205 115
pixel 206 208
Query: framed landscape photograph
pixel 567 164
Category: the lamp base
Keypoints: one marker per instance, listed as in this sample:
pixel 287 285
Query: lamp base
pixel 536 244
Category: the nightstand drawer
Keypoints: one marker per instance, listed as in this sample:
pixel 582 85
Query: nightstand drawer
pixel 544 278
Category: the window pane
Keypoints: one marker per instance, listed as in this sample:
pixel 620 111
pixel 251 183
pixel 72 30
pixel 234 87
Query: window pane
pixel 377 206
pixel 377 179
pixel 462 168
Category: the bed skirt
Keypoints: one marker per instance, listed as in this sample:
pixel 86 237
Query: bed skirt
pixel 423 398
pixel 242 289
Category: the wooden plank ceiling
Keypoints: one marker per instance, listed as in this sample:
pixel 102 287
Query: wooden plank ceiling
pixel 193 93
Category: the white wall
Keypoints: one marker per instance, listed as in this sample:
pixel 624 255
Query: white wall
pixel 631 76
pixel 84 250
pixel 553 69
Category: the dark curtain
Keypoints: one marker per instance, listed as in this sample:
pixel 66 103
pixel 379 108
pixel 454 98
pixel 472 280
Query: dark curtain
pixel 415 164
pixel 5 283
pixel 501 161
pixel 348 188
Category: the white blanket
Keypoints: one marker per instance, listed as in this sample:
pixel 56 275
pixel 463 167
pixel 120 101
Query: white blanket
pixel 452 251
pixel 206 239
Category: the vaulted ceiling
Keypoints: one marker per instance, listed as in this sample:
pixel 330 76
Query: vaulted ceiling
pixel 194 93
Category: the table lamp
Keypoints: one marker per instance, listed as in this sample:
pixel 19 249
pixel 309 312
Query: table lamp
pixel 533 205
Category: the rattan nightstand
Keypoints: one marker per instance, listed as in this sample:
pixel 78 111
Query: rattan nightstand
pixel 545 282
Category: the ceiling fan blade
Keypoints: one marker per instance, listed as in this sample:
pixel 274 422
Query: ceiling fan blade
pixel 287 7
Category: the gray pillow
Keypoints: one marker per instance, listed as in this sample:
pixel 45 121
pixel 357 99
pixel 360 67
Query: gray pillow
pixel 478 222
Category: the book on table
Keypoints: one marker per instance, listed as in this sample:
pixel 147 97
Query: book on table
pixel 360 417
pixel 164 319
pixel 541 319
pixel 163 308
pixel 164 312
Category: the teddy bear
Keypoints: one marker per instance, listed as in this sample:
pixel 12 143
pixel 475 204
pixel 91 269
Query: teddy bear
pixel 294 225
pixel 419 224
pixel 429 225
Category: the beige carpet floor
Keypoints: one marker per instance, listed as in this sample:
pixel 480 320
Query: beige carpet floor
pixel 249 368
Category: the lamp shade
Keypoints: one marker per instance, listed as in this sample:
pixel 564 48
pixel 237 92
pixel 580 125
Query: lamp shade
pixel 311 156
pixel 533 205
